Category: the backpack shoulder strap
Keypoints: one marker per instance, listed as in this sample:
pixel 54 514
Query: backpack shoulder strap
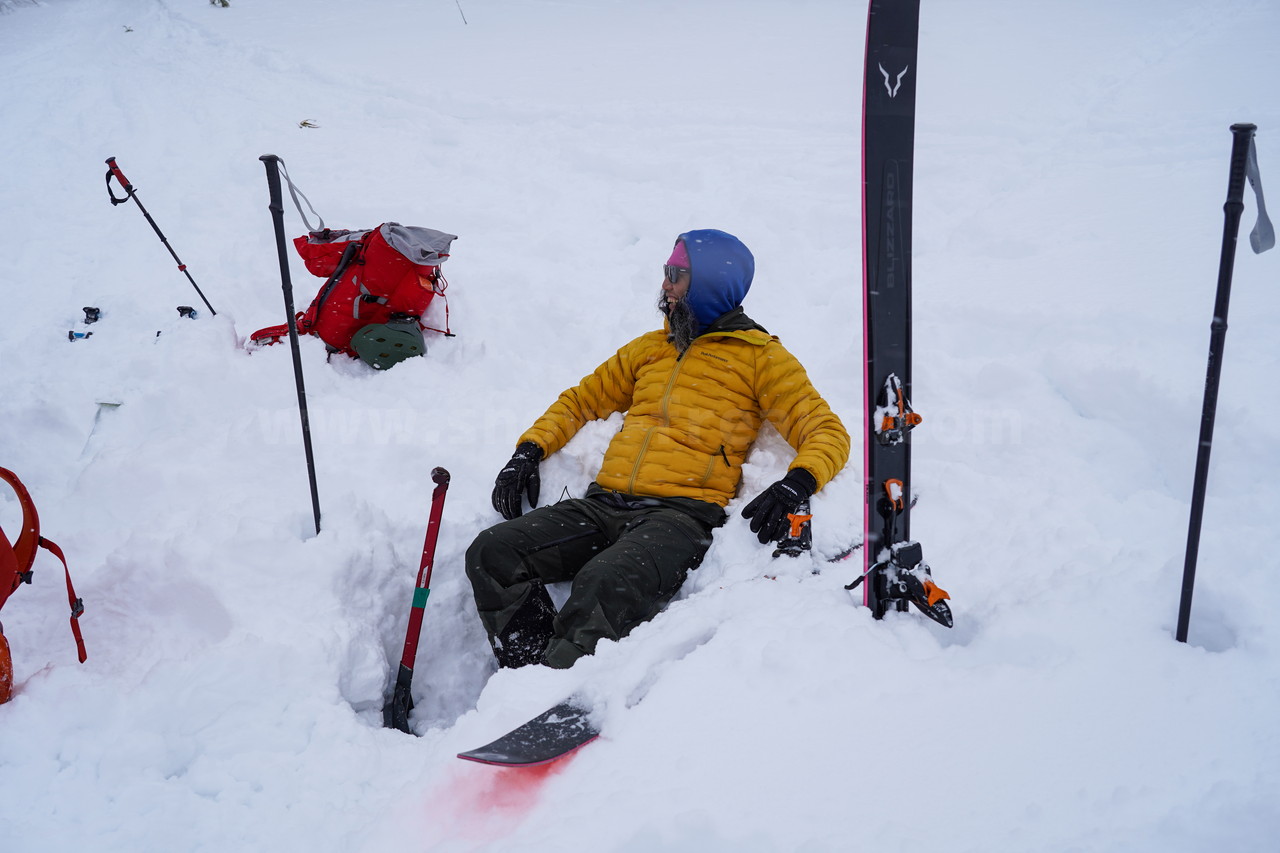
pixel 24 548
pixel 76 604
pixel 22 554
pixel 11 574
pixel 350 255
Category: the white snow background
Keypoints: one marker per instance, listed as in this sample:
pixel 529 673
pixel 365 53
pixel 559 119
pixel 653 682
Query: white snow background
pixel 1070 174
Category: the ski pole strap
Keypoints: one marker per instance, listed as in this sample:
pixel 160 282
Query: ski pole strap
pixel 113 171
pixel 1263 236
pixel 19 557
pixel 294 192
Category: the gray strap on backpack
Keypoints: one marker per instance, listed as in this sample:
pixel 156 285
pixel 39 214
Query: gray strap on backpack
pixel 294 192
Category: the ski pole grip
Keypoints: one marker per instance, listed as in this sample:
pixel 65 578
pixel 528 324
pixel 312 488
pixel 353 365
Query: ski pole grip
pixel 440 477
pixel 1241 136
pixel 272 162
pixel 113 171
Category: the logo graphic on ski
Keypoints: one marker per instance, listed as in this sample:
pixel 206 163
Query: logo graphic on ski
pixel 897 83
pixel 551 735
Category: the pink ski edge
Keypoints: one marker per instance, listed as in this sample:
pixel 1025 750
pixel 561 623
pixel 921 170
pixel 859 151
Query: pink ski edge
pixel 866 352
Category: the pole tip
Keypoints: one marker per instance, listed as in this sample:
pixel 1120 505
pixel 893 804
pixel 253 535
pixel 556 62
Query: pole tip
pixel 111 161
pixel 1244 127
pixel 268 158
pixel 439 476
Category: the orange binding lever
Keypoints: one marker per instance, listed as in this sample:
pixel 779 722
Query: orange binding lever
pixel 797 524
pixel 896 492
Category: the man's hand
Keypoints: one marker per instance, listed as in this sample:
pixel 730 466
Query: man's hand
pixel 518 478
pixel 769 511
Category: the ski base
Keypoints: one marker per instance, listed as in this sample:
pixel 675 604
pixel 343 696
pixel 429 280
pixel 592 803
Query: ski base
pixel 549 736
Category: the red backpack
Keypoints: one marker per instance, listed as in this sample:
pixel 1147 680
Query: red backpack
pixel 378 285
pixel 16 560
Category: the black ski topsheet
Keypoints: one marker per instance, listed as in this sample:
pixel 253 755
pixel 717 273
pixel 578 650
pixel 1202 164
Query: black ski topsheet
pixel 551 735
pixel 888 141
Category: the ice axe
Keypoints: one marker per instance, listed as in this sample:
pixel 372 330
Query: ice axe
pixel 395 715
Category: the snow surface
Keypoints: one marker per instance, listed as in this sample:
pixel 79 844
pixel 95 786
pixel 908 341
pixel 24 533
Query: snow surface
pixel 1071 168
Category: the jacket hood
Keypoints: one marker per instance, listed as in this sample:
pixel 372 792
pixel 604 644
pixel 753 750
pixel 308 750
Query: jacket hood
pixel 720 272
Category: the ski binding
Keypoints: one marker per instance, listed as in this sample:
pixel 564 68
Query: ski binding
pixel 799 536
pixel 893 417
pixel 905 577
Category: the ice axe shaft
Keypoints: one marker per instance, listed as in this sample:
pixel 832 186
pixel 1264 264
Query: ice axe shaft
pixel 396 713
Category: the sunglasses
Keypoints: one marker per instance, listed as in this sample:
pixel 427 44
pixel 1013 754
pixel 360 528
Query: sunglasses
pixel 673 272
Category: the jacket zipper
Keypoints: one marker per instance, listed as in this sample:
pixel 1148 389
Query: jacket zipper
pixel 711 464
pixel 666 420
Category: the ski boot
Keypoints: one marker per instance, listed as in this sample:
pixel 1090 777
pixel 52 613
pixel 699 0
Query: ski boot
pixel 91 316
pixel 524 639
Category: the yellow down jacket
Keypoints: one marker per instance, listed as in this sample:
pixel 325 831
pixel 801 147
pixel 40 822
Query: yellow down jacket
pixel 690 420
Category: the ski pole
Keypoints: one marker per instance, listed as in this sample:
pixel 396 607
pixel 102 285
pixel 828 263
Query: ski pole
pixel 272 163
pixel 113 171
pixel 396 713
pixel 1243 164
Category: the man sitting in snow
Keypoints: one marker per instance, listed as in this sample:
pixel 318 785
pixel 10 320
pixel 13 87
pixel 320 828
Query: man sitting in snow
pixel 695 396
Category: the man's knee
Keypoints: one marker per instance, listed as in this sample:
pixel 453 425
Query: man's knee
pixel 492 557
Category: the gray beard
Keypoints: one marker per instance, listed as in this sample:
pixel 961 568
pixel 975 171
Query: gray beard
pixel 684 325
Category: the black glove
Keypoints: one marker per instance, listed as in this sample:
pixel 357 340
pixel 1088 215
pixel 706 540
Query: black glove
pixel 520 476
pixel 769 511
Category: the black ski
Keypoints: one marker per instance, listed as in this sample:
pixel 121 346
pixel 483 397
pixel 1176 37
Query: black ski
pixel 551 735
pixel 888 144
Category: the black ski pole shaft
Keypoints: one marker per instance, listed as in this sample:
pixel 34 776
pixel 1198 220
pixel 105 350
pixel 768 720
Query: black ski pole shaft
pixel 1242 137
pixel 113 171
pixel 395 715
pixel 272 163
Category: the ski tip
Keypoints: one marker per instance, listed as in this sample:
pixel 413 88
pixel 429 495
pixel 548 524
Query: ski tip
pixel 555 733
pixel 499 759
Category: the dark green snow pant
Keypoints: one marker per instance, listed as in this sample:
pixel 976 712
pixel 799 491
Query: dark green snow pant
pixel 626 557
